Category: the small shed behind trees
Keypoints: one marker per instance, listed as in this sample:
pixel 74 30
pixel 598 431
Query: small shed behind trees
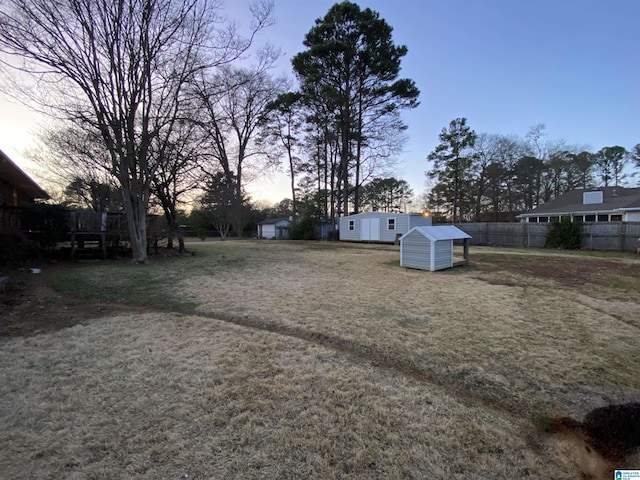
pixel 274 228
pixel 431 248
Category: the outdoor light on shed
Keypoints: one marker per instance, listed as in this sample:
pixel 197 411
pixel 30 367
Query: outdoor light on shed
pixel 426 213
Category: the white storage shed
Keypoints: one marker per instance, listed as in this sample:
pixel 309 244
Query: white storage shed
pixel 274 228
pixel 431 248
pixel 379 226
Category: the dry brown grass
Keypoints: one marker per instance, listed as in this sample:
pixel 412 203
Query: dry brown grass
pixel 331 362
pixel 530 344
pixel 152 396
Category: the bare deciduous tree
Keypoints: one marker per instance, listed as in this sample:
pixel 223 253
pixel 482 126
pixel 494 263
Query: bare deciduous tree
pixel 233 103
pixel 122 67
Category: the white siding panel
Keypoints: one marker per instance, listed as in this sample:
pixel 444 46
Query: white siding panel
pixel 443 254
pixel 345 233
pixel 417 221
pixel 364 223
pixel 402 224
pixel 415 252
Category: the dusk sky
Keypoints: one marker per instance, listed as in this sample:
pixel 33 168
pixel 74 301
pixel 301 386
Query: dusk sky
pixel 506 65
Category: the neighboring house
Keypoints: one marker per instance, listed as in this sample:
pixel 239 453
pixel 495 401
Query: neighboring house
pixel 379 226
pixel 17 189
pixel 605 204
pixel 431 248
pixel 274 228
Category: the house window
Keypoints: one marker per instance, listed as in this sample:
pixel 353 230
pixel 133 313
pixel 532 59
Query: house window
pixel 391 224
pixel 616 218
pixel 352 224
pixel 578 218
pixel 589 218
pixel 603 218
pixel 543 219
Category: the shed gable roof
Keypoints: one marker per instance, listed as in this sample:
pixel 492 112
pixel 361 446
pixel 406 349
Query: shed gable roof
pixel 440 232
pixel 274 221
pixel 613 199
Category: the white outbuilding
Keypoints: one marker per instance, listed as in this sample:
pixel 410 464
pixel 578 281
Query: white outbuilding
pixel 274 228
pixel 385 227
pixel 431 248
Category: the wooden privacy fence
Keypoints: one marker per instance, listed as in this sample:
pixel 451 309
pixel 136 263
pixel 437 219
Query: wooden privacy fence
pixel 615 236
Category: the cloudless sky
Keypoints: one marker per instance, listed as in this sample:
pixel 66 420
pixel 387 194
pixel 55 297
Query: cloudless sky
pixel 506 65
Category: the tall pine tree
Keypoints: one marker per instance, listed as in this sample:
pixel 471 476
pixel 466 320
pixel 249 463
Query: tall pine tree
pixel 351 69
pixel 452 163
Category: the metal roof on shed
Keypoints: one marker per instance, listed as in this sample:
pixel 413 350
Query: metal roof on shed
pixel 441 232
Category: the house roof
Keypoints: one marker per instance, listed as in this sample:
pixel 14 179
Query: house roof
pixel 12 174
pixel 613 199
pixel 440 232
pixel 274 221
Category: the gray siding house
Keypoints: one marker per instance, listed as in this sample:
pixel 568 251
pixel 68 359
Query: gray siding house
pixel 605 204
pixel 382 227
pixel 274 228
pixel 431 248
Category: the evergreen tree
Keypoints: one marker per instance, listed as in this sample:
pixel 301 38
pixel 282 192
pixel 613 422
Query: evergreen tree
pixel 349 73
pixel 387 195
pixel 452 163
pixel 610 162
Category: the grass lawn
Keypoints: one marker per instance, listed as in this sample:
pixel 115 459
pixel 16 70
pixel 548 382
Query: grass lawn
pixel 267 359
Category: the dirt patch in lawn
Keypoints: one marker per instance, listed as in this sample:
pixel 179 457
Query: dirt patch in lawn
pixel 30 307
pixel 565 271
pixel 607 439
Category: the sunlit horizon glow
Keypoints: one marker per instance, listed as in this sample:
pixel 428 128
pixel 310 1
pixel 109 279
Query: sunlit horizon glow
pixel 505 65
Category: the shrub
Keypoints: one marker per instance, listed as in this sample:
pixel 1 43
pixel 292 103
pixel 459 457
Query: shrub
pixel 565 234
pixel 303 230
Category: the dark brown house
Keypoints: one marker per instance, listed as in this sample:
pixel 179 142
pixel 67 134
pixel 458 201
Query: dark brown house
pixel 17 189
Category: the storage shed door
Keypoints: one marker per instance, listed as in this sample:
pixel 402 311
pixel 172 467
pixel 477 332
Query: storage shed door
pixel 370 229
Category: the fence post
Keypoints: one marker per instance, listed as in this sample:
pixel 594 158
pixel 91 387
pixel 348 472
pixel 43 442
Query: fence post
pixel 73 224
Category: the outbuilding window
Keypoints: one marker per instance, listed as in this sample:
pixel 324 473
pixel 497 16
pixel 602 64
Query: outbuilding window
pixel 391 224
pixel 352 224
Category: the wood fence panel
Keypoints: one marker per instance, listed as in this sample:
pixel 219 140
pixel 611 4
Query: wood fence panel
pixel 613 236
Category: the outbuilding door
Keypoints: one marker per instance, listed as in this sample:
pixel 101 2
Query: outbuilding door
pixel 370 229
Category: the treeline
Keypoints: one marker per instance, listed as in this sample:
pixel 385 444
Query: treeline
pixel 162 104
pixel 494 177
pixel 342 128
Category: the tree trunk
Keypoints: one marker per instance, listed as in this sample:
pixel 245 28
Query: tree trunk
pixel 344 167
pixel 480 194
pixel 294 202
pixel 137 223
pixel 356 183
pixel 136 210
